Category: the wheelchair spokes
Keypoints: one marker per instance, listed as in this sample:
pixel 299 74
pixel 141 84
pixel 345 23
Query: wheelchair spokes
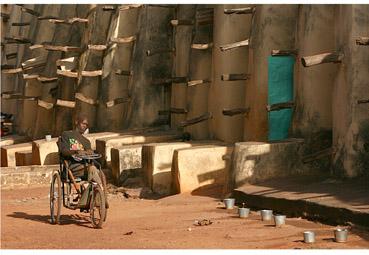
pixel 55 198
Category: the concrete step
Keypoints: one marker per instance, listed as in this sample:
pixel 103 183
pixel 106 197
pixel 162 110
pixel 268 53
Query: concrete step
pixel 313 197
pixel 8 153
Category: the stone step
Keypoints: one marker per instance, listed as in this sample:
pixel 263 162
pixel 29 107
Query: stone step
pixel 8 153
pixel 157 165
pixel 45 152
pixel 123 160
pixel 200 166
pixel 104 145
pixel 256 161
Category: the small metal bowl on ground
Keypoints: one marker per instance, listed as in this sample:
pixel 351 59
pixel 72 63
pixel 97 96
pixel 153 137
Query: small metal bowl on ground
pixel 340 235
pixel 229 203
pixel 243 212
pixel 266 215
pixel 309 237
pixel 279 220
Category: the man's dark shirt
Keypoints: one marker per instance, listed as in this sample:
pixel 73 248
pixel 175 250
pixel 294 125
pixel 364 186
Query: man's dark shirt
pixel 72 141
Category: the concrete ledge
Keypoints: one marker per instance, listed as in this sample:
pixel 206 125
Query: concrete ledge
pixel 92 137
pixel 315 198
pixel 8 153
pixel 200 166
pixel 125 159
pixel 12 139
pixel 104 145
pixel 157 165
pixel 23 158
pixel 45 152
pixel 257 161
pixel 24 176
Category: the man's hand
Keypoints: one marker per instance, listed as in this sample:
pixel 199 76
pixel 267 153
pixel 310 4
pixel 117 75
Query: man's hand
pixel 82 153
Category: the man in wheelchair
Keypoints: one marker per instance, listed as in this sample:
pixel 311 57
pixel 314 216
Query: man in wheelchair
pixel 73 143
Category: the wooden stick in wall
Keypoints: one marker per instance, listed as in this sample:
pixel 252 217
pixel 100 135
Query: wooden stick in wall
pixel 199 46
pixel 236 111
pixel 318 155
pixel 67 73
pixel 123 72
pixel 280 106
pixel 284 52
pixel 130 6
pixel 65 103
pixel 16 39
pixel 20 24
pixel 108 8
pixel 196 120
pixel 181 22
pixel 197 82
pixel 127 39
pixel 11 55
pixel 235 77
pixel 335 57
pixel 62 48
pixel 96 47
pixel 47 17
pixel 362 40
pixel 91 73
pixel 231 46
pixel 85 99
pixel 246 10
pixel 363 101
pixel 45 104
pixel 116 101
pixel 30 11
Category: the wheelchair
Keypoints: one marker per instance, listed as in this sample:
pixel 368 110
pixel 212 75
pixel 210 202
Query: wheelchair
pixel 64 189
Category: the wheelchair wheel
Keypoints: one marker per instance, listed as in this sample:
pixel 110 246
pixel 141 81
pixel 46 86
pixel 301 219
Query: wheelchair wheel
pixel 103 180
pixel 55 198
pixel 97 208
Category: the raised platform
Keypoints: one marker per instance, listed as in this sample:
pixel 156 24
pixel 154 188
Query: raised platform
pixel 318 198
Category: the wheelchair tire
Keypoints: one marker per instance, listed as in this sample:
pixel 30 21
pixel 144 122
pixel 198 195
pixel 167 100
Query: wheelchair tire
pixel 103 180
pixel 55 198
pixel 97 208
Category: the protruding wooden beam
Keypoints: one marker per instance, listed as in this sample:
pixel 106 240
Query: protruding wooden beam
pixel 162 5
pixel 30 11
pixel 65 103
pixel 127 39
pixel 335 57
pixel 363 101
pixel 12 71
pixel 86 100
pixel 235 77
pixel 116 101
pixel 318 155
pixel 36 46
pixel 171 80
pixel 181 22
pixel 11 55
pixel 34 63
pixel 246 10
pixel 45 104
pixel 30 76
pixel 17 96
pixel 91 73
pixel 280 106
pixel 159 51
pixel 173 110
pixel 362 40
pixel 96 47
pixel 130 6
pixel 67 73
pixel 196 120
pixel 62 48
pixel 20 24
pixel 15 39
pixel 68 21
pixel 124 72
pixel 47 79
pixel 47 17
pixel 197 82
pixel 284 52
pixel 236 111
pixel 108 8
pixel 67 64
pixel 199 46
pixel 231 46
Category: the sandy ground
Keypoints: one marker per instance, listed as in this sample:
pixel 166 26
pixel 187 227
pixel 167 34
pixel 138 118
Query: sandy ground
pixel 162 223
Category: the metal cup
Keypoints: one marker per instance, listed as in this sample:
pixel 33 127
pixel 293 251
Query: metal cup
pixel 309 237
pixel 266 214
pixel 340 235
pixel 229 203
pixel 48 138
pixel 279 220
pixel 243 212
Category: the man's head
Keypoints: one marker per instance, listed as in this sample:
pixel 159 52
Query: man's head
pixel 81 123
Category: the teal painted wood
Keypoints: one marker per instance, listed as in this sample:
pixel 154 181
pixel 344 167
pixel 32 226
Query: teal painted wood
pixel 280 90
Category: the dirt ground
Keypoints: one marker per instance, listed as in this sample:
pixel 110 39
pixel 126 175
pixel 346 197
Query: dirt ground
pixel 162 223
